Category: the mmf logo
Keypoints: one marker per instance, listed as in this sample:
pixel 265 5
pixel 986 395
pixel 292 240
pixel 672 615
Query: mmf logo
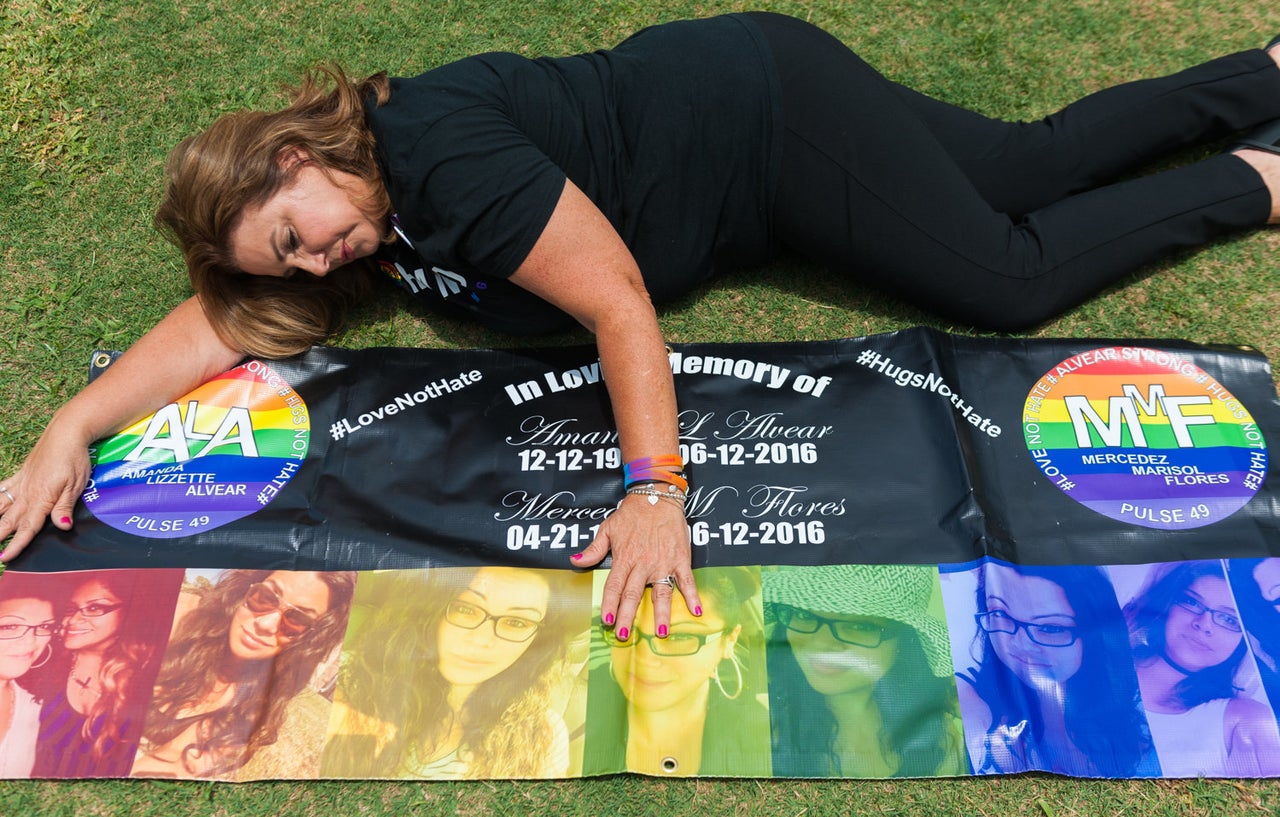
pixel 1144 436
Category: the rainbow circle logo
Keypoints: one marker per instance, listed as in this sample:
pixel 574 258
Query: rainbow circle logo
pixel 1144 436
pixel 214 456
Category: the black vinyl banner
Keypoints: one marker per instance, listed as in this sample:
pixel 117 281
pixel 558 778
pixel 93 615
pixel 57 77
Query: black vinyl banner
pixel 918 554
pixel 912 447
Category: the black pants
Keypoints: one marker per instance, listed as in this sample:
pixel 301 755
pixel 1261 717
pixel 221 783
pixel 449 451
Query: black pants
pixel 998 224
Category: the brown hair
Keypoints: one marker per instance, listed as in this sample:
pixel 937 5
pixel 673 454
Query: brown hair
pixel 130 662
pixel 228 737
pixel 213 176
pixel 391 675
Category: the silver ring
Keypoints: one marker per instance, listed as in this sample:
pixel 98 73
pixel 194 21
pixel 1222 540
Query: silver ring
pixel 5 491
pixel 669 581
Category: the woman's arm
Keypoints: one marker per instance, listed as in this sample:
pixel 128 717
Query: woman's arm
pixel 581 265
pixel 1252 740
pixel 976 715
pixel 178 354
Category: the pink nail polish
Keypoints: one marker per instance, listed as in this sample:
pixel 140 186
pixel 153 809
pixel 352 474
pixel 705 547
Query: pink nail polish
pixel 608 618
pixel 66 520
pixel 623 633
pixel 576 556
pixel 697 611
pixel 662 631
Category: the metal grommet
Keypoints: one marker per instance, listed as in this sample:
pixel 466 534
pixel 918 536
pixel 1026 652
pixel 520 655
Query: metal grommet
pixel 670 764
pixel 101 360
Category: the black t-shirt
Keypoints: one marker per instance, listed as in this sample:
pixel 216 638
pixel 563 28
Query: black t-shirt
pixel 673 135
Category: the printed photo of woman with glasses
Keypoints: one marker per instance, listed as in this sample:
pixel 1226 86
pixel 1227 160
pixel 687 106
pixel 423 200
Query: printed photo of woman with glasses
pixel 114 629
pixel 860 673
pixel 238 671
pixel 688 698
pixel 28 625
pixel 454 673
pixel 1194 666
pixel 1053 687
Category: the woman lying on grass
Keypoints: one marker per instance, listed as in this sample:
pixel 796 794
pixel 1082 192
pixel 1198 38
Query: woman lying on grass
pixel 534 193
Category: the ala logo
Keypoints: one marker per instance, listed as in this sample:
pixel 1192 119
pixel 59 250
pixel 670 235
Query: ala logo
pixel 170 431
pixel 219 454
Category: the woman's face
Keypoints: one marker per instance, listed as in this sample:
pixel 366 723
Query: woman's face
pixel 256 636
pixel 1267 575
pixel 313 224
pixel 654 682
pixel 18 654
pixel 93 618
pixel 469 657
pixel 833 667
pixel 1036 601
pixel 1193 640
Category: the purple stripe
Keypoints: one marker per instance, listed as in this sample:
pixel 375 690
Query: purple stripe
pixel 1090 487
pixel 169 500
pixel 120 521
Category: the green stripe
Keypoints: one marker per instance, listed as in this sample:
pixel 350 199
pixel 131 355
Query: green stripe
pixel 271 443
pixel 1063 435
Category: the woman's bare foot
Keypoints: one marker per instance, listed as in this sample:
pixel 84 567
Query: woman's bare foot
pixel 1268 166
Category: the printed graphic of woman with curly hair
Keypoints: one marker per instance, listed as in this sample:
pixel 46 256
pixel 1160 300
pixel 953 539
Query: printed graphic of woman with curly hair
pixel 238 674
pixel 454 673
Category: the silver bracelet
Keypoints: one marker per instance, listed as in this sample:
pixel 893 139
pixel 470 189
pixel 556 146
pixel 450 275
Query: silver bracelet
pixel 671 492
pixel 673 496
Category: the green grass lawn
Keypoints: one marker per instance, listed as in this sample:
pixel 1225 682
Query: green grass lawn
pixel 93 93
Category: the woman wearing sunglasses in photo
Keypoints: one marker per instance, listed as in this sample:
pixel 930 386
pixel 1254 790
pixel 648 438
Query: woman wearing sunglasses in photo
pixel 683 699
pixel 1193 664
pixel 28 625
pixel 1054 688
pixel 114 630
pixel 238 663
pixel 458 673
pixel 860 673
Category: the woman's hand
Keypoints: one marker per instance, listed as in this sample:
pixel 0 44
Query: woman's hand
pixel 47 485
pixel 178 354
pixel 581 265
pixel 650 542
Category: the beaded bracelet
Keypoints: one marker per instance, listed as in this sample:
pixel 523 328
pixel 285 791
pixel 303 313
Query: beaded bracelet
pixel 654 495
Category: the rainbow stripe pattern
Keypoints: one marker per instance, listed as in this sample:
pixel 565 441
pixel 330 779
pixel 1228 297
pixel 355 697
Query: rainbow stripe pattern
pixel 1145 437
pixel 214 456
